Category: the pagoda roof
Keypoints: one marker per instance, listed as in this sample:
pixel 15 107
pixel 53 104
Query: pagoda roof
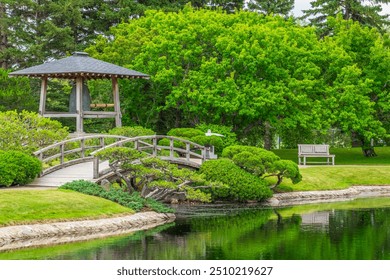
pixel 80 64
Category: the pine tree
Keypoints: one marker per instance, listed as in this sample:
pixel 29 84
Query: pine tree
pixel 267 7
pixel 367 12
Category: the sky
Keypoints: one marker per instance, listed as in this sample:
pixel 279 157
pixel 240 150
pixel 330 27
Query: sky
pixel 305 4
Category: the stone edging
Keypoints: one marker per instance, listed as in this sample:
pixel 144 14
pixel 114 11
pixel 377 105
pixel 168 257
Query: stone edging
pixel 23 236
pixel 307 197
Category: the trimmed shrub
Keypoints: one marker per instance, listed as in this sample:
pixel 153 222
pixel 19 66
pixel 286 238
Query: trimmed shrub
pixel 229 137
pixel 215 141
pixel 131 131
pixel 243 186
pixel 133 201
pixel 263 163
pixel 18 168
pixel 267 157
pixel 186 133
pixel 196 136
pixel 28 132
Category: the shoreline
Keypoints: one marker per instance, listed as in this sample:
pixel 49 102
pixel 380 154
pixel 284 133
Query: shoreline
pixel 34 235
pixel 310 197
pixel 25 236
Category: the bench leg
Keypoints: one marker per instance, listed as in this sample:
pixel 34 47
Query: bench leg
pixel 304 160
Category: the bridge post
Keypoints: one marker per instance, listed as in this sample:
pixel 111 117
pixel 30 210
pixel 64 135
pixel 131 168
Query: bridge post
pixel 95 167
pixel 101 140
pixel 155 146
pixel 171 148
pixel 82 146
pixel 188 151
pixel 62 151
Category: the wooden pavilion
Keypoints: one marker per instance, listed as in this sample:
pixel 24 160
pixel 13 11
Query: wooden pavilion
pixel 80 68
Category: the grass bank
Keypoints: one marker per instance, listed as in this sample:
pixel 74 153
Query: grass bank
pixel 316 178
pixel 41 206
pixel 351 169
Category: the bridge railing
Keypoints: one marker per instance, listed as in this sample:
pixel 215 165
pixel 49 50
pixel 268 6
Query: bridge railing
pixel 73 151
pixel 188 153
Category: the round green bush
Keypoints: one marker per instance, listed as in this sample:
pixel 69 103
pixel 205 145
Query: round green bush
pixel 28 131
pixel 131 131
pixel 243 185
pixel 18 168
pixel 229 137
pixel 184 132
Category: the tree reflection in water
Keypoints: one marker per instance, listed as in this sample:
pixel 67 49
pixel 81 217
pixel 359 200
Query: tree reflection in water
pixel 304 232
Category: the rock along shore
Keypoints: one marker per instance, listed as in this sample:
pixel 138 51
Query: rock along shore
pixel 308 197
pixel 23 236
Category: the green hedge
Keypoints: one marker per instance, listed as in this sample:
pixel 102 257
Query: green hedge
pixel 133 201
pixel 243 186
pixel 131 131
pixel 18 168
pixel 196 136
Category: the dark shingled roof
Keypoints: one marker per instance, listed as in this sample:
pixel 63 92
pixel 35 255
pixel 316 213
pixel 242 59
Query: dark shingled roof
pixel 79 65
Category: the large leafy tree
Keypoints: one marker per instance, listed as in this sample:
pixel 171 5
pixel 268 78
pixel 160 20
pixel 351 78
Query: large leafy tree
pixel 250 71
pixel 275 7
pixel 357 81
pixel 363 11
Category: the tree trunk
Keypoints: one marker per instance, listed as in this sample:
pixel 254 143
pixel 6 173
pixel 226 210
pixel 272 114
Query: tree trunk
pixel 267 136
pixel 368 149
pixel 3 36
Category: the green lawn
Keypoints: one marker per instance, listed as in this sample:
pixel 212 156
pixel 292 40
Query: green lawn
pixel 39 206
pixel 338 177
pixel 344 156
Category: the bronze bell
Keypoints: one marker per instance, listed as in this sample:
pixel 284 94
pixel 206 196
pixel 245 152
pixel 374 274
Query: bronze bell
pixel 86 99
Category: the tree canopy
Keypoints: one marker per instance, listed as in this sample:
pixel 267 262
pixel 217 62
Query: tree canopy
pixel 34 31
pixel 363 11
pixel 253 72
pixel 275 7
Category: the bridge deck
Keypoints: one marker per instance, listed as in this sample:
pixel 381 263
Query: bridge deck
pixel 81 171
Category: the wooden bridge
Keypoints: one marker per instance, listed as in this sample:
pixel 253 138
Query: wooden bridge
pixel 76 158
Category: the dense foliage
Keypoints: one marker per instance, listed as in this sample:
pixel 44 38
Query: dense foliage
pixel 15 93
pixel 18 168
pixel 261 76
pixel 196 136
pixel 31 32
pixel 367 12
pixel 27 131
pixel 243 186
pixel 133 201
pixel 131 131
pixel 271 7
pixel 263 163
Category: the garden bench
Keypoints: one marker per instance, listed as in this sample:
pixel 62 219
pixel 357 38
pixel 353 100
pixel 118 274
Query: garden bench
pixel 314 151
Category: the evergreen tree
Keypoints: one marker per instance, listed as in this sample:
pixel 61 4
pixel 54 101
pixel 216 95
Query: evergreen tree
pixel 365 12
pixel 276 7
pixel 34 31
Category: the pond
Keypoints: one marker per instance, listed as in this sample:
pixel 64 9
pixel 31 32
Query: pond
pixel 358 229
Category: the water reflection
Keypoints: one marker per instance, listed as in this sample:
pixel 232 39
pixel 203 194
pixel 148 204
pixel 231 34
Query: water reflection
pixel 327 231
